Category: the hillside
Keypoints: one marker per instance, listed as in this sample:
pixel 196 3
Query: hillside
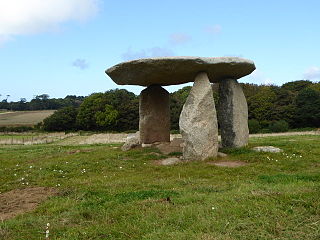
pixel 23 118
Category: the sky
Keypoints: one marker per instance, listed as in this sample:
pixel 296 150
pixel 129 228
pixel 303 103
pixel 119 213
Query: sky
pixel 63 47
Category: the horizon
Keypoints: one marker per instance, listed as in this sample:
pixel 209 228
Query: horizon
pixel 184 85
pixel 62 48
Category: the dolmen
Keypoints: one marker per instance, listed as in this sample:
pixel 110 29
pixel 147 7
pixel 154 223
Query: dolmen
pixel 198 120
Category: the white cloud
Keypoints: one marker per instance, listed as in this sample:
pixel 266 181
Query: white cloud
pixel 160 52
pixel 312 73
pixel 130 55
pixel 20 17
pixel 80 63
pixel 146 53
pixel 214 29
pixel 179 38
pixel 3 39
pixel 259 77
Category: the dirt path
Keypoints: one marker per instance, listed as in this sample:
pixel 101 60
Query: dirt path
pixel 285 134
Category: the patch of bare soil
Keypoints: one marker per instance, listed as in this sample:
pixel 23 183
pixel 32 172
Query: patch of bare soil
pixel 169 147
pixel 19 201
pixel 231 164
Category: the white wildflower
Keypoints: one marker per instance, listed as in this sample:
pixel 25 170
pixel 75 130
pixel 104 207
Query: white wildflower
pixel 47 234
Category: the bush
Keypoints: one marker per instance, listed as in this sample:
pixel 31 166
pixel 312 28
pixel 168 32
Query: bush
pixel 265 124
pixel 254 126
pixel 279 126
pixel 61 120
pixel 16 129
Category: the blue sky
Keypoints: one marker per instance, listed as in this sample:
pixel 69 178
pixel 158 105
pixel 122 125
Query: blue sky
pixel 62 47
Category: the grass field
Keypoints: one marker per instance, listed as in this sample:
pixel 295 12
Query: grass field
pixel 105 193
pixel 23 118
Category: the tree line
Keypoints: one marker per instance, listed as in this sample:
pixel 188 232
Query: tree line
pixel 41 102
pixel 271 108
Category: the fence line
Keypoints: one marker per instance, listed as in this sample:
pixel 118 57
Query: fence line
pixel 41 139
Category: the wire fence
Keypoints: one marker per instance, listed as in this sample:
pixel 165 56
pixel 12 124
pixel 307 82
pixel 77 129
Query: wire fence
pixel 37 139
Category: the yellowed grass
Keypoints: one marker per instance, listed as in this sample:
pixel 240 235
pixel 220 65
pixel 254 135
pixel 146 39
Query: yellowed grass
pixel 23 118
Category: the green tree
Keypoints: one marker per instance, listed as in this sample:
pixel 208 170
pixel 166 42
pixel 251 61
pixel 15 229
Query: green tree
pixel 94 103
pixel 250 89
pixel 127 105
pixel 108 118
pixel 279 126
pixel 284 105
pixel 296 86
pixel 61 120
pixel 254 126
pixel 94 116
pixel 308 108
pixel 261 104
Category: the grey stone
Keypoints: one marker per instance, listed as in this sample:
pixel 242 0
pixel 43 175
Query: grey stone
pixel 167 148
pixel 146 145
pixel 233 114
pixel 176 142
pixel 154 111
pixel 169 161
pixel 267 149
pixel 132 141
pixel 222 155
pixel 176 70
pixel 198 121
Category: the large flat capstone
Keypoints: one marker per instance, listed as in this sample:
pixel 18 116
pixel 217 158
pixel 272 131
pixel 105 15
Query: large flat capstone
pixel 177 70
pixel 198 122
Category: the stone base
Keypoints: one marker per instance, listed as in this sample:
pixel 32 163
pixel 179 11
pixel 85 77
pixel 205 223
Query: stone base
pixel 154 111
pixel 233 114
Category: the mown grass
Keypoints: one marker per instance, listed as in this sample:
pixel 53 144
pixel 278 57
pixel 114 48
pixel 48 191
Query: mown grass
pixel 16 136
pixel 24 118
pixel 109 194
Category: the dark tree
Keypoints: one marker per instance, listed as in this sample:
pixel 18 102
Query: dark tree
pixel 61 120
pixel 308 108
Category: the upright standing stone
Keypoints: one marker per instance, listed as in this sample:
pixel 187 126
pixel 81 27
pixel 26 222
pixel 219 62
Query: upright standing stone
pixel 154 110
pixel 198 121
pixel 233 114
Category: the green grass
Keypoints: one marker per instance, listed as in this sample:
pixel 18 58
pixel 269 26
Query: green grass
pixel 16 136
pixel 120 194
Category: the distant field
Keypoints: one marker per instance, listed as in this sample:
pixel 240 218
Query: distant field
pixel 23 118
